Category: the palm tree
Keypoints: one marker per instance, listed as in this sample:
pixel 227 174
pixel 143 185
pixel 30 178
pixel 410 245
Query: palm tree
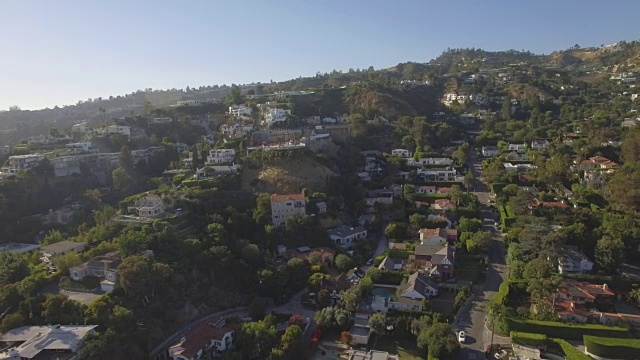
pixel 635 295
pixel 468 181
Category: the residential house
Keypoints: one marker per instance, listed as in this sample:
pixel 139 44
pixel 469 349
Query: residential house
pixel 236 130
pixel 370 355
pixel 20 162
pixel 441 217
pixel 443 204
pixel 509 167
pixel 240 110
pixel 390 264
pixel 381 196
pixel 286 206
pixel 45 342
pixel 403 153
pixel 319 133
pixel 364 176
pixel 360 332
pixel 118 129
pixel 80 127
pixel 594 163
pixel 212 171
pixel 490 151
pixel 426 189
pixel 218 156
pixel 365 219
pixel 18 248
pixel 303 252
pixel 438 261
pixel 345 235
pixel 570 311
pixel 583 292
pixel 79 146
pixel 213 336
pixel 437 236
pixel 435 174
pixel 417 288
pixel 322 207
pixel 515 156
pixel 540 144
pixel 430 161
pixel 276 116
pixel 573 261
pixel 160 121
pixel 61 216
pixel 148 206
pixel 630 123
pixel 102 266
pixel 519 148
pixel 61 248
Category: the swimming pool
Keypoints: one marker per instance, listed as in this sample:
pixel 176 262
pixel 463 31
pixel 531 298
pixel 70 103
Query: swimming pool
pixel 383 292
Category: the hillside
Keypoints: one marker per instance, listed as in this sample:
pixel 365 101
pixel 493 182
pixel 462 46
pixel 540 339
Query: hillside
pixel 287 176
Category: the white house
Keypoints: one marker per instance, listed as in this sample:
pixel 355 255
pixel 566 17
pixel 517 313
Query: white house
pixel 19 162
pixel 419 287
pixel 218 156
pixel 286 206
pixel 540 144
pixel 79 146
pixel 212 336
pixel 276 116
pixel 403 153
pixel 80 127
pixel 515 156
pixel 345 235
pixel 437 236
pixel 211 171
pixel 437 174
pixel 490 151
pixel 40 342
pixel 118 129
pixel 518 147
pixel 160 121
pixel 573 261
pixel 148 206
pixel 430 161
pixel 240 110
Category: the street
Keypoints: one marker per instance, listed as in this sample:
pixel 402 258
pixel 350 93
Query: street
pixel 472 318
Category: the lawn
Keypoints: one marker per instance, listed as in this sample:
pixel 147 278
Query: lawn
pixel 469 268
pixel 406 349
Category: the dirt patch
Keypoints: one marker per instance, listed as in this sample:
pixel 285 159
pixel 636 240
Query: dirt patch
pixel 287 177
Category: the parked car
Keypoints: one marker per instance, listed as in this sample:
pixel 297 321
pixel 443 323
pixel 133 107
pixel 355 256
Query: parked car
pixel 370 262
pixel 462 337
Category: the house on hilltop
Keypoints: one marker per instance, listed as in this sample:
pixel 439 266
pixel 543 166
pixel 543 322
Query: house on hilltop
pixel 573 261
pixel 286 206
pixel 214 336
pixel 345 235
pixel 438 261
pixel 437 236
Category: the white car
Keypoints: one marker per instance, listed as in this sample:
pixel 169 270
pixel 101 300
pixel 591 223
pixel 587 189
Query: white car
pixel 462 337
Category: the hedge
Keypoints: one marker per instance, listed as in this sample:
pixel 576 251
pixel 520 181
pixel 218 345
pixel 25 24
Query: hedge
pixel 507 217
pixel 400 254
pixel 570 352
pixel 390 278
pixel 528 339
pixel 608 347
pixel 560 330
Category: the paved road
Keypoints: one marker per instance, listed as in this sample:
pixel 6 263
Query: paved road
pixel 472 318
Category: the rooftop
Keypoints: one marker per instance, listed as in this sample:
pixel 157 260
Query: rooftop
pixel 62 247
pixel 346 231
pixel 286 197
pixel 35 339
pixel 18 248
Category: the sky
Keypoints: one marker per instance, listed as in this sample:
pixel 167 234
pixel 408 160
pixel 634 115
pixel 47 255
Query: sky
pixel 59 52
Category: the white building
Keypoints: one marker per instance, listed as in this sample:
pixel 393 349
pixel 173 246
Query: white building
pixel 240 110
pixel 286 206
pixel 430 161
pixel 540 144
pixel 276 116
pixel 161 121
pixel 39 342
pixel 119 129
pixel 437 174
pixel 214 337
pixel 490 151
pixel 573 261
pixel 212 171
pixel 19 162
pixel 236 130
pixel 518 147
pixel 79 146
pixel 80 127
pixel 189 102
pixel 345 235
pixel 403 153
pixel 148 206
pixel 218 156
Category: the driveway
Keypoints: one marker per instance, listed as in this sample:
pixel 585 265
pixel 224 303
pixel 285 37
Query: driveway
pixel 472 319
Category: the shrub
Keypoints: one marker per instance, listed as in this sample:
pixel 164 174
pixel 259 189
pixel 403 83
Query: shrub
pixel 528 339
pixel 570 352
pixel 605 347
pixel 565 331
pixel 390 278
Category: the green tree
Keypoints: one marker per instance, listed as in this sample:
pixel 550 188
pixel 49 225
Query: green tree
pixel 493 172
pixel 469 225
pixel 251 255
pixel 67 261
pixel 610 254
pixel 316 280
pixel 256 339
pixel 52 237
pixel 409 192
pixel 126 159
pixel 315 258
pixel 378 323
pixel 291 340
pixel 140 278
pixel 537 269
pixel 12 321
pixel 323 298
pixel 479 242
pixel 439 340
pixel 58 309
pixel 121 179
pixel 630 150
pixel 343 262
pixel 13 268
pixel 373 273
pixel 262 211
pixel 396 231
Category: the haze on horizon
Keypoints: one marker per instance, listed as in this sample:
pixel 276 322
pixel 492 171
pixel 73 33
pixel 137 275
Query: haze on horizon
pixel 57 53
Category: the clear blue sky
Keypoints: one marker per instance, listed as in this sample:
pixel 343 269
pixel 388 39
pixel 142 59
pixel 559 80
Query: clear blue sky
pixel 57 52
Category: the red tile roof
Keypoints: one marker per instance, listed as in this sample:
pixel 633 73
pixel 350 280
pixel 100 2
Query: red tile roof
pixel 555 204
pixel 199 337
pixel 286 197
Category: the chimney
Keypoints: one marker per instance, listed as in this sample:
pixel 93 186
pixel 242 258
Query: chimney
pixel 605 287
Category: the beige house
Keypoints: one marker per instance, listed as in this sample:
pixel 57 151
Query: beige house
pixel 286 206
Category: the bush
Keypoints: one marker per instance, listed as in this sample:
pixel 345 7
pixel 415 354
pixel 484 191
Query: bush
pixel 390 278
pixel 605 347
pixel 528 339
pixel 560 330
pixel 570 352
pixel 400 254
